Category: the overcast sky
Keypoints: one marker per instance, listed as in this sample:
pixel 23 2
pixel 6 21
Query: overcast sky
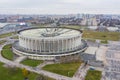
pixel 60 6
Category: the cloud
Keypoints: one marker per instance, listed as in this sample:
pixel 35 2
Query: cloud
pixel 60 6
pixel 70 1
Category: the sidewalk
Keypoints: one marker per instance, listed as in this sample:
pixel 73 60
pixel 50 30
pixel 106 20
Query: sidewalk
pixel 81 73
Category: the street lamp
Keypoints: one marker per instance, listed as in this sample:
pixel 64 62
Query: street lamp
pixel 68 73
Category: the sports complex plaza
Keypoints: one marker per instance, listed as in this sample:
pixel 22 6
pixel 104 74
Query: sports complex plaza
pixel 49 43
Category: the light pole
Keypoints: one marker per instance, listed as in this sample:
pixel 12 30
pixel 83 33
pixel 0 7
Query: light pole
pixel 68 73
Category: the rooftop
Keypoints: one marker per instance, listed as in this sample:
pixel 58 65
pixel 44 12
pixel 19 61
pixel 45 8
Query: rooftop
pixel 91 50
pixel 47 32
pixel 100 54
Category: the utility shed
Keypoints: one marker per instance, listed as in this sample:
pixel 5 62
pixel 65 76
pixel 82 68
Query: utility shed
pixel 89 54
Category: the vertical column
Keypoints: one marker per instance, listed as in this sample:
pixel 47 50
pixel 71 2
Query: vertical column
pixel 80 39
pixel 58 45
pixel 77 42
pixel 32 44
pixel 35 45
pixel 40 45
pixel 25 43
pixel 44 45
pixel 63 45
pixel 21 41
pixel 52 45
pixel 55 46
pixel 66 45
pixel 74 42
pixel 48 45
pixel 29 44
pixel 70 44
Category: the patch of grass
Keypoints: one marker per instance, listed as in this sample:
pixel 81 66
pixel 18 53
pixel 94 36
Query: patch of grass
pixel 66 69
pixel 16 74
pixel 8 46
pixel 93 75
pixel 7 52
pixel 7 34
pixel 92 40
pixel 104 41
pixel 2 42
pixel 31 62
pixel 114 36
pixel 15 37
pixel 75 26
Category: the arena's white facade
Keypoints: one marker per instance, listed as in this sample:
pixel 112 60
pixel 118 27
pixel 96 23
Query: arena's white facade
pixel 47 43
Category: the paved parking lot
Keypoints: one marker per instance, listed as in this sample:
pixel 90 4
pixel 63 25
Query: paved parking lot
pixel 112 67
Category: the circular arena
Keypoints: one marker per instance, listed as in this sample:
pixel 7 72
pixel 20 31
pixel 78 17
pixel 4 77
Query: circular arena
pixel 49 43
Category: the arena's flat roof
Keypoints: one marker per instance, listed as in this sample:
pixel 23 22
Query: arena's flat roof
pixel 37 32
pixel 91 50
pixel 100 54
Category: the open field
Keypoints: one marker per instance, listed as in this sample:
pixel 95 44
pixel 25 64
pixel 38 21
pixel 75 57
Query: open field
pixel 93 75
pixel 7 35
pixel 16 74
pixel 2 42
pixel 66 69
pixel 114 36
pixel 7 52
pixel 32 63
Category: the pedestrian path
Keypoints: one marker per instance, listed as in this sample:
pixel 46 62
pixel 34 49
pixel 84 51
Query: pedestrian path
pixel 19 59
pixel 44 64
pixel 81 73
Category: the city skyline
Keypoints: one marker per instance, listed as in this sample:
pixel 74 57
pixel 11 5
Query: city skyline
pixel 59 7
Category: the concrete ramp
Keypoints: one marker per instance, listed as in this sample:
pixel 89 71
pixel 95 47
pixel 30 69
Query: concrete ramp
pixel 19 59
